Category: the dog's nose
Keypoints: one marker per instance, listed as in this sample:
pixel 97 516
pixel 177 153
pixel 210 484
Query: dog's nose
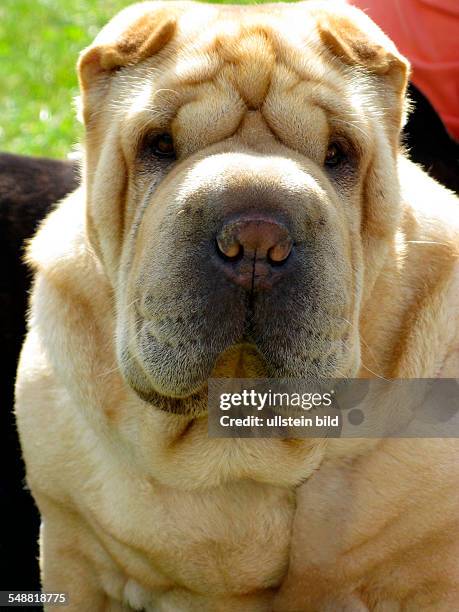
pixel 253 250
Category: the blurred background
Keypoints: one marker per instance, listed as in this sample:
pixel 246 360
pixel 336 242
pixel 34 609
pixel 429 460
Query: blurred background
pixel 39 45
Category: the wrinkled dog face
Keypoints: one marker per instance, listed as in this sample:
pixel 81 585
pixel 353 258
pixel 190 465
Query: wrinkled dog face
pixel 241 185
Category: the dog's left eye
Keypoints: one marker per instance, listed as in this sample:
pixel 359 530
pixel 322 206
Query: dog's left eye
pixel 334 156
pixel 162 145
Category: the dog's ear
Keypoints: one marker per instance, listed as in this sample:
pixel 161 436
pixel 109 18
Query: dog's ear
pixel 357 41
pixel 133 35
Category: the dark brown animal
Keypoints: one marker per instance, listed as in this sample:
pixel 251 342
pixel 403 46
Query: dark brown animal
pixel 28 189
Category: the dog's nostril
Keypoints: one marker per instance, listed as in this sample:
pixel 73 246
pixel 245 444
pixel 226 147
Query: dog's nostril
pixel 279 253
pixel 230 250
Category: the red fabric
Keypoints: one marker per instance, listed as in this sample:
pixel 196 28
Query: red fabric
pixel 427 33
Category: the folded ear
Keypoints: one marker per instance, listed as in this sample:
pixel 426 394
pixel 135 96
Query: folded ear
pixel 135 34
pixel 357 41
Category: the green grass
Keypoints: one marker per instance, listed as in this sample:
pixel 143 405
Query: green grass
pixel 39 45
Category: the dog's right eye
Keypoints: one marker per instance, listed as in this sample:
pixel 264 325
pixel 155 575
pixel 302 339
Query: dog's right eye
pixel 162 146
pixel 334 156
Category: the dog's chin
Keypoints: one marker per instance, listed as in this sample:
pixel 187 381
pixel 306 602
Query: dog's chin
pixel 193 405
pixel 238 361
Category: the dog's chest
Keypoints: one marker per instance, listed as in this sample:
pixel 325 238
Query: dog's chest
pixel 196 549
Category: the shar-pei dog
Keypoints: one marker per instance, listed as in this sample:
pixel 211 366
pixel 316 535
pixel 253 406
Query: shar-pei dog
pixel 246 211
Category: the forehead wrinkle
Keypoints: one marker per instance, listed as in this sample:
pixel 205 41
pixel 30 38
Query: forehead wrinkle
pixel 341 112
pixel 163 110
pixel 305 137
pixel 196 65
pixel 212 114
pixel 345 101
pixel 252 74
pixel 248 62
pixel 246 55
pixel 226 73
pixel 305 142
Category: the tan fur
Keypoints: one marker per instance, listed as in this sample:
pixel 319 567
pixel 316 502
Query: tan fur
pixel 140 508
